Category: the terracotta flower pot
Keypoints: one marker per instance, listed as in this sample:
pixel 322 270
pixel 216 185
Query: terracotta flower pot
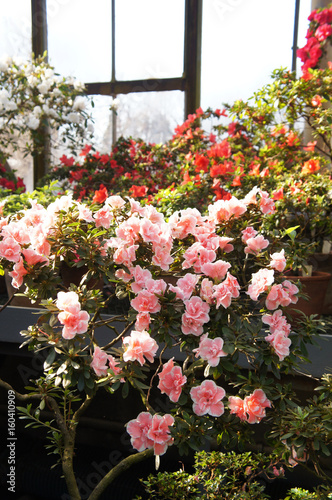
pixel 315 288
pixel 323 262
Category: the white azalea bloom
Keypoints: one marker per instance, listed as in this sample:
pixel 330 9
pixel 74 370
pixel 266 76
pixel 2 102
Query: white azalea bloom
pixel 79 104
pixel 33 122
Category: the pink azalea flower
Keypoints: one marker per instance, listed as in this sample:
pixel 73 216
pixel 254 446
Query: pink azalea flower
pixel 171 381
pixel 197 308
pixel 277 322
pixel 146 302
pixel 250 198
pixel 191 326
pixel 84 213
pixel 277 296
pixel 69 302
pixel 260 282
pixel 100 362
pixel 103 217
pixel 210 349
pixel 18 273
pixel 222 295
pixel 139 430
pixel 266 204
pixel 140 276
pixel 125 254
pixel 224 244
pixel 150 232
pixel 142 321
pixel 183 226
pixel 136 207
pixel 232 285
pixel 282 295
pixel 10 249
pixel 207 399
pixel 254 406
pixel 73 323
pixel 151 213
pixel 33 257
pixel 139 345
pixel 17 230
pixel 195 316
pixel 236 406
pixel 122 275
pixel 256 244
pixel 115 201
pixel 247 233
pixel 216 270
pixel 187 285
pixel 157 287
pixel 129 230
pixel 196 256
pixel 280 343
pixel 206 291
pixel 39 241
pixel 162 257
pixel 278 260
pixel 159 433
pixel 292 291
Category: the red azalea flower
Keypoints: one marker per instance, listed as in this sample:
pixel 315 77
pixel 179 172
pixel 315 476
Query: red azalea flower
pixel 221 149
pixel 85 150
pixel 310 146
pixel 201 163
pixel 100 195
pixel 77 174
pixel 138 191
pixel 323 32
pixel 310 166
pixel 316 101
pixel 68 162
pixel 105 159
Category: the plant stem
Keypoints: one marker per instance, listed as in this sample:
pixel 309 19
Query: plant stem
pixel 117 470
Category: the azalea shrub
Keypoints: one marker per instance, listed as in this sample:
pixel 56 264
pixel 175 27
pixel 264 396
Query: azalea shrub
pixel 207 327
pixel 36 101
pixel 318 36
pixel 260 142
pixel 9 182
pixel 134 167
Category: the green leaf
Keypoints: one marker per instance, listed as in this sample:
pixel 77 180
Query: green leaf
pixel 125 390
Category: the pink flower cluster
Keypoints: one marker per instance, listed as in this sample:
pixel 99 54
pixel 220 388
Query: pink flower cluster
pixel 279 331
pixel 171 381
pixel 102 361
pixel 250 409
pixel 207 399
pixel 147 431
pixel 139 345
pixel 210 349
pixel 74 320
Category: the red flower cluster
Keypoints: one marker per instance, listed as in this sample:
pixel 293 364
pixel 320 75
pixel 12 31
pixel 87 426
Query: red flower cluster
pixel 319 31
pixel 9 181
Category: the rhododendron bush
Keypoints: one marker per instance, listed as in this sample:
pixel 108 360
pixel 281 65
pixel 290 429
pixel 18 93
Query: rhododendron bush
pixel 207 327
pixel 34 101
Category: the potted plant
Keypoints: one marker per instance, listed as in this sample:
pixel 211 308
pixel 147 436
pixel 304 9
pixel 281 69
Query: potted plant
pixel 222 306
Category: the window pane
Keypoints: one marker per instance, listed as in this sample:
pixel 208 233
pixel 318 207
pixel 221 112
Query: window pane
pixel 149 38
pixel 15 29
pixel 80 38
pixel 103 123
pixel 243 42
pixel 151 116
